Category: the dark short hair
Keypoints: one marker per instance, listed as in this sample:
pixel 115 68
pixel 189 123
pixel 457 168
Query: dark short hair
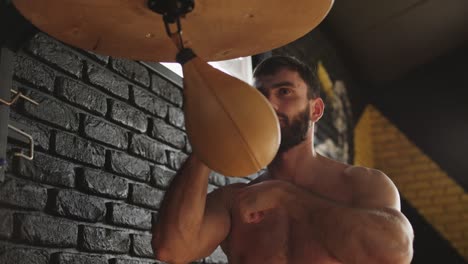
pixel 275 63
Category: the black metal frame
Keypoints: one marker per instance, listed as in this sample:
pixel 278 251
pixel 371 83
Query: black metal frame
pixel 15 30
pixel 6 74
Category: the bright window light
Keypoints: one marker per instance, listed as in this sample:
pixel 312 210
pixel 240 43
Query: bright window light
pixel 240 68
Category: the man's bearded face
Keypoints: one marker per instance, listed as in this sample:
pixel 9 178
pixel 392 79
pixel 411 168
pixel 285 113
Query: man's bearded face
pixel 294 130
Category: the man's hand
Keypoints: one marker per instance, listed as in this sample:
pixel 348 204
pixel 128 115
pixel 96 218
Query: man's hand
pixel 253 201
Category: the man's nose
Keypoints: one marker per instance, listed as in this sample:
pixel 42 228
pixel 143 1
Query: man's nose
pixel 273 102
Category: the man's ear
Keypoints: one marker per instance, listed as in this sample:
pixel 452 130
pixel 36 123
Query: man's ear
pixel 316 107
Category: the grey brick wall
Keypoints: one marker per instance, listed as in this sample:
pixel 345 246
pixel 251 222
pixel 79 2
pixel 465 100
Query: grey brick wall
pixel 109 136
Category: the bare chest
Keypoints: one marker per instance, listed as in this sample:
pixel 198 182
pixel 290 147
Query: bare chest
pixel 276 239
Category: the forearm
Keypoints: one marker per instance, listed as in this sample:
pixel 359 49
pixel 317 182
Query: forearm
pixel 182 210
pixel 353 235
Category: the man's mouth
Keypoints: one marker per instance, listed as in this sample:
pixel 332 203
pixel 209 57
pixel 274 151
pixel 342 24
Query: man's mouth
pixel 282 119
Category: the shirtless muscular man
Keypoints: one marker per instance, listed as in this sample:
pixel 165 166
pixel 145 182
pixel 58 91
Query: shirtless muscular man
pixel 305 209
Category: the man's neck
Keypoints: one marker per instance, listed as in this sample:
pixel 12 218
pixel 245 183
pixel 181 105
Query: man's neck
pixel 296 163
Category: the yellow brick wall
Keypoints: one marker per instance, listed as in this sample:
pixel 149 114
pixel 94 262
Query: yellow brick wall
pixel 439 199
pixel 363 152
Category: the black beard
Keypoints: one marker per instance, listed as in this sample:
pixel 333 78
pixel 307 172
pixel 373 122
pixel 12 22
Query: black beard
pixel 294 132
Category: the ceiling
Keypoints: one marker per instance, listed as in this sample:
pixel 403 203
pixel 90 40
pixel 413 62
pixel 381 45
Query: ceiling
pixel 386 39
pixel 411 56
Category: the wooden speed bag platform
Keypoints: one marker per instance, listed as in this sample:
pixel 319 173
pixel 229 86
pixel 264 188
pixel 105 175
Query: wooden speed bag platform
pixel 215 29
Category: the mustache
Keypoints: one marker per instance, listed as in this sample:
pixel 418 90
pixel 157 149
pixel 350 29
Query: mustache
pixel 282 116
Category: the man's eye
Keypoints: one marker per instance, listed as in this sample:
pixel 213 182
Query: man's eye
pixel 284 91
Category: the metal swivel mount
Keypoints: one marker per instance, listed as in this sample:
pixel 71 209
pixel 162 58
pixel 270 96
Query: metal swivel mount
pixel 172 11
pixel 171 8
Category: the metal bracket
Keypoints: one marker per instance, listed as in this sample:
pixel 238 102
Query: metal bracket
pixel 6 73
pixel 30 140
pixel 17 96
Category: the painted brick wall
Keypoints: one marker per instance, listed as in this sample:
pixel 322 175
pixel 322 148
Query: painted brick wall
pixel 109 135
pixel 421 181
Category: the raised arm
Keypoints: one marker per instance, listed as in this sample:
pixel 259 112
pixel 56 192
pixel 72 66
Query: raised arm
pixel 370 230
pixel 191 223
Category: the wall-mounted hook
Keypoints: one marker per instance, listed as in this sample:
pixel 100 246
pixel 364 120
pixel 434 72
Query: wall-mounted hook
pixel 31 143
pixel 17 96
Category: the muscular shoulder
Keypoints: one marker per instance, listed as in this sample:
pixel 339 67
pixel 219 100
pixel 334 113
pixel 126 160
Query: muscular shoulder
pixel 372 188
pixel 223 196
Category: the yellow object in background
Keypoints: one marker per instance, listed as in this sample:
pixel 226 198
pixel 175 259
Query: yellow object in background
pixel 325 81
